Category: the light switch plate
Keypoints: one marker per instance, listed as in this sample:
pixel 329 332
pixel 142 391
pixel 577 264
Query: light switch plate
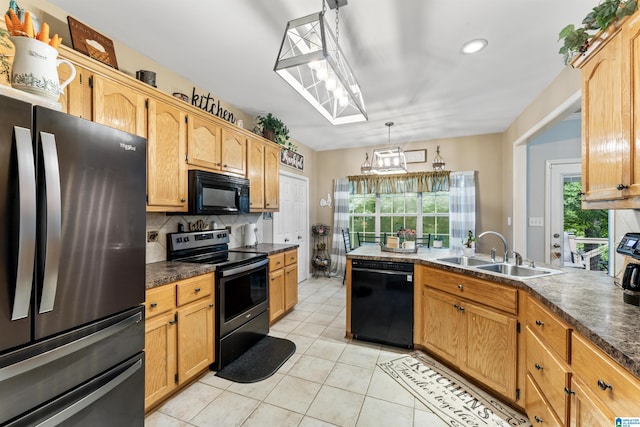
pixel 536 221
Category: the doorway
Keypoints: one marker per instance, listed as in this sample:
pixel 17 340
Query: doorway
pixel 291 223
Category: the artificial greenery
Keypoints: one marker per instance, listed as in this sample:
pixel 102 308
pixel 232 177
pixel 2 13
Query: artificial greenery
pixel 5 66
pixel 271 123
pixel 575 40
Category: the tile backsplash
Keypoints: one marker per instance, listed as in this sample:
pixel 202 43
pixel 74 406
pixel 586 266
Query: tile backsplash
pixel 163 224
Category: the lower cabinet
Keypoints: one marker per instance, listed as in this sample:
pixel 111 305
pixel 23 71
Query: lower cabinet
pixel 461 325
pixel 283 283
pixel 586 411
pixel 179 335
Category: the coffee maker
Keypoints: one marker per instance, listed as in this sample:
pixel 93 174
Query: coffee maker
pixel 630 247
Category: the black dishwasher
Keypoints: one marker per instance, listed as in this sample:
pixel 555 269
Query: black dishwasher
pixel 382 302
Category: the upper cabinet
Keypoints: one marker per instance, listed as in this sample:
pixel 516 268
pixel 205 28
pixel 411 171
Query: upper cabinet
pixel 610 132
pixel 255 172
pixel 272 177
pixel 119 106
pixel 204 148
pixel 263 172
pixel 234 151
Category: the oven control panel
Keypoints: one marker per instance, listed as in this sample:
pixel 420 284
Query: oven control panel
pixel 196 239
pixel 630 245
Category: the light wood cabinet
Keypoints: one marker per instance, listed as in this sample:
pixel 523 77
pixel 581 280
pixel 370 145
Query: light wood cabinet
pixel 462 325
pixel 272 177
pixel 119 106
pixel 255 173
pixel 283 283
pixel 586 411
pixel 204 143
pixel 234 151
pixel 76 99
pixel 179 335
pixel 610 139
pixel 166 169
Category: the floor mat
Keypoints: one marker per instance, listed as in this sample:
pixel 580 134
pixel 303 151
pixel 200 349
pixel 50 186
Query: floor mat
pixel 260 361
pixel 448 395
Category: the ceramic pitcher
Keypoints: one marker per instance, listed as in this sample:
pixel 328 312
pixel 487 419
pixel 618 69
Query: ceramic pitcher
pixel 35 68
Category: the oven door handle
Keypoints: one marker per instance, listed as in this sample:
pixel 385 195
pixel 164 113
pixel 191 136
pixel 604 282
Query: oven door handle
pixel 244 268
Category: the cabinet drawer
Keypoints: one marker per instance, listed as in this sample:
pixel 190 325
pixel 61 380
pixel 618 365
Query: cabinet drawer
pixel 537 409
pixel 487 293
pixel 605 378
pixel 291 257
pixel 548 327
pixel 276 261
pixel 159 300
pixel 194 288
pixel 549 373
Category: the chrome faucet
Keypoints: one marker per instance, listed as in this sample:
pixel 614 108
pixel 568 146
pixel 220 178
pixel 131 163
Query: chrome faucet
pixel 518 258
pixel 504 242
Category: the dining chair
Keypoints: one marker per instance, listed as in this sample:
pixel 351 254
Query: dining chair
pixel 347 247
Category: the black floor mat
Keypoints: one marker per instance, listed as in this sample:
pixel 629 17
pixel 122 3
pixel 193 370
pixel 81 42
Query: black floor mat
pixel 259 362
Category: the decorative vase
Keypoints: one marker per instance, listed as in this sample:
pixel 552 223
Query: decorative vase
pixel 468 251
pixel 35 68
pixel 269 134
pixel 437 243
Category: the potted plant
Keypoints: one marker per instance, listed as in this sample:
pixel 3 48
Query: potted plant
pixel 275 130
pixel 409 237
pixel 576 40
pixel 437 241
pixel 469 245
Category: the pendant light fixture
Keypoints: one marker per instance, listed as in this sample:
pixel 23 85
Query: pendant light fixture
pixel 438 161
pixel 311 61
pixel 365 168
pixel 388 160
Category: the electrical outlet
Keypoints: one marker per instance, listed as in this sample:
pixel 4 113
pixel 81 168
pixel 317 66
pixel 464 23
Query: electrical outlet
pixel 152 236
pixel 228 227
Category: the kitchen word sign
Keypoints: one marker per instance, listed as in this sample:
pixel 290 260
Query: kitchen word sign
pixel 292 159
pixel 210 105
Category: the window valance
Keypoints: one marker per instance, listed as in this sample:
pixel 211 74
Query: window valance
pixel 416 182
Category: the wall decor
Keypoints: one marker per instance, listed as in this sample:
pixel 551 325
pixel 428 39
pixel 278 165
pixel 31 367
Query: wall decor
pixel 416 156
pixel 292 159
pixel 92 43
pixel 212 106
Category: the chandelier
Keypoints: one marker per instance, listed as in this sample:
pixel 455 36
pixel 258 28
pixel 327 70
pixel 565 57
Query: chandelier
pixel 311 61
pixel 388 160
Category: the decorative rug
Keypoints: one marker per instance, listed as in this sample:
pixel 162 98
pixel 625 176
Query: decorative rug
pixel 448 395
pixel 260 361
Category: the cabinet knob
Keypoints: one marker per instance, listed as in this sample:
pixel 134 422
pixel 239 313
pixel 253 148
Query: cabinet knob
pixel 225 165
pixel 197 290
pixel 539 323
pixel 173 321
pixel 537 419
pixel 456 306
pixel 218 164
pixel 604 386
pixel 568 391
pixel 538 366
pixel 461 308
pixel 183 200
pixel 210 305
pixel 153 305
pixel 460 287
pixel 622 187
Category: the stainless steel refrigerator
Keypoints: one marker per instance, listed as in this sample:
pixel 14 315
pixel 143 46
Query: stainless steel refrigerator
pixel 72 266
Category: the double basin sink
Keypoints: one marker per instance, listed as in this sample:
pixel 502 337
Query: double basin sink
pixel 508 270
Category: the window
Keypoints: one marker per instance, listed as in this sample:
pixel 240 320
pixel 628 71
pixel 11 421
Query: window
pixel 427 213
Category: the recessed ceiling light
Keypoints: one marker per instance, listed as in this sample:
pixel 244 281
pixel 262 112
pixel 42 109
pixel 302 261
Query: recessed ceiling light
pixel 475 45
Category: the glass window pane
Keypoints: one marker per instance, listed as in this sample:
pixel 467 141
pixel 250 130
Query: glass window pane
pixel 428 202
pixel 411 222
pixel 428 224
pixel 370 204
pixel 385 224
pixel 398 223
pixel 370 224
pixel 442 225
pixel 398 204
pixel 411 202
pixel 442 202
pixel 386 203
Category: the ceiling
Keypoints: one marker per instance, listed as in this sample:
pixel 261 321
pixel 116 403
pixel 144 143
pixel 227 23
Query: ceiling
pixel 404 53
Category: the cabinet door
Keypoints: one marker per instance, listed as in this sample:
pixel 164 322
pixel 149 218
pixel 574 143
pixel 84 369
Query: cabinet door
pixel 442 324
pixel 276 294
pixel 631 36
pixel 537 408
pixel 255 172
pixel 160 358
pixel 490 353
pixel 204 143
pixel 605 124
pixel 272 177
pixel 119 106
pixel 76 99
pixel 234 152
pixel 166 168
pixel 195 337
pixel 290 286
pixel 585 410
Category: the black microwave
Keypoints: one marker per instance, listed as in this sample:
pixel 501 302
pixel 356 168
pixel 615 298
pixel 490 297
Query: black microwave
pixel 217 194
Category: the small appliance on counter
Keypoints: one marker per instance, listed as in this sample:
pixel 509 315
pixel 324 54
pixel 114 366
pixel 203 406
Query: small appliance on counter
pixel 630 247
pixel 250 235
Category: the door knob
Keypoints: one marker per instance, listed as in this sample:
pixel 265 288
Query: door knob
pixel 556 235
pixel 555 245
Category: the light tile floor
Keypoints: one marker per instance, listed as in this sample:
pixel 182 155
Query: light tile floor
pixel 329 381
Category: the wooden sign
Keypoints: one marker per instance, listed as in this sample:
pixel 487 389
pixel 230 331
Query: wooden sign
pixel 92 43
pixel 292 159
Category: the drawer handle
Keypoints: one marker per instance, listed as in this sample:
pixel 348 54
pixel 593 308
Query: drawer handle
pixel 604 386
pixel 538 366
pixel 173 322
pixel 460 287
pixel 458 307
pixel 273 278
pixel 537 419
pixel 197 290
pixel 568 392
pixel 210 305
pixel 621 187
pixel 153 305
pixel 539 323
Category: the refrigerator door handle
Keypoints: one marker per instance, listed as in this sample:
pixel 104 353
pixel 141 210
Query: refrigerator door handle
pixel 54 221
pixel 27 228
pixel 91 398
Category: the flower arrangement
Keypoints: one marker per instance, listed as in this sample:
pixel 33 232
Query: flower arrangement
pixel 320 229
pixel 470 240
pixel 406 234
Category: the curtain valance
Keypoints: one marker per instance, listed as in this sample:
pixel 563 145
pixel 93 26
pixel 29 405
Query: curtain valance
pixel 415 182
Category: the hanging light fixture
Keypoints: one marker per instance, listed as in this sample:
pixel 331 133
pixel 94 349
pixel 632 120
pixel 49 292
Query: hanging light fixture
pixel 311 61
pixel 365 168
pixel 388 160
pixel 438 161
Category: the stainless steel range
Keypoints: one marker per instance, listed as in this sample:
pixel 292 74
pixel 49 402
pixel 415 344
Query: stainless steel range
pixel 241 292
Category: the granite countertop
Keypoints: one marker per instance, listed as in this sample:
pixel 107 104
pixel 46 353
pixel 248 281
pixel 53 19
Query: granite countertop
pixel 163 272
pixel 267 248
pixel 589 301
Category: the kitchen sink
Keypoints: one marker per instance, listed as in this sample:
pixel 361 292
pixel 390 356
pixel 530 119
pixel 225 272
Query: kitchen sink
pixel 464 261
pixel 517 270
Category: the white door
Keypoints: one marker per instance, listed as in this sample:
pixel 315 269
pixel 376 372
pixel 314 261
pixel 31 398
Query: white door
pixel 291 223
pixel 557 172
